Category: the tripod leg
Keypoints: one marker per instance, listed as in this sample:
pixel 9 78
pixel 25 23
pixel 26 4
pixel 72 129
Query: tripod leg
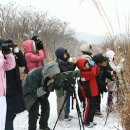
pixel 60 112
pixel 78 111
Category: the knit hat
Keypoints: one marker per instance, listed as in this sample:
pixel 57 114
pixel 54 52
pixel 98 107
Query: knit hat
pixel 110 54
pixel 99 58
pixel 86 48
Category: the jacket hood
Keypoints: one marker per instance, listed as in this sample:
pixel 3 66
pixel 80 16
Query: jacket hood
pixel 29 46
pixel 50 68
pixel 87 57
pixel 110 54
pixel 60 53
pixel 81 63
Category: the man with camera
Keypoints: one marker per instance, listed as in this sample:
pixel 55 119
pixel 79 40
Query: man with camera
pixel 34 53
pixel 37 86
pixel 63 56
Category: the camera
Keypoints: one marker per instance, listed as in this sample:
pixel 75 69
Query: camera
pixel 64 80
pixel 38 42
pixel 5 45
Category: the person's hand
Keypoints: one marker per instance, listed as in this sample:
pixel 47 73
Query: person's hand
pixel 16 50
pixel 110 84
pixel 73 60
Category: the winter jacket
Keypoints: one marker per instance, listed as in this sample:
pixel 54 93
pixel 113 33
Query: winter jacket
pixel 34 83
pixel 5 64
pixel 88 79
pixel 104 73
pixel 63 66
pixel 33 59
pixel 14 96
pixel 116 67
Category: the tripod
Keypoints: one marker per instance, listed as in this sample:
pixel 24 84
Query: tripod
pixel 81 124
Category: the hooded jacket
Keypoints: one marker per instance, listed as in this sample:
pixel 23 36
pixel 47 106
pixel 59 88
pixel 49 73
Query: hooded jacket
pixel 5 65
pixel 64 66
pixel 116 67
pixel 33 59
pixel 88 79
pixel 14 96
pixel 34 83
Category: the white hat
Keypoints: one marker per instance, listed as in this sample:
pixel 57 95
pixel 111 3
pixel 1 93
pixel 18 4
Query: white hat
pixel 86 48
pixel 110 54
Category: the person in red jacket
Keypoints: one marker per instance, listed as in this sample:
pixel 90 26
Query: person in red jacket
pixel 34 53
pixel 89 72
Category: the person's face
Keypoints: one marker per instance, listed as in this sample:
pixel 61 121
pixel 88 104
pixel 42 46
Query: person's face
pixel 86 66
pixel 103 64
pixel 65 55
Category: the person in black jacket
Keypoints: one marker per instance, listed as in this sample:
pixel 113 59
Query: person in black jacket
pixel 105 73
pixel 14 97
pixel 63 61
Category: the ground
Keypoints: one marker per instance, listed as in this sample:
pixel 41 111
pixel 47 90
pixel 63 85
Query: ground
pixel 21 121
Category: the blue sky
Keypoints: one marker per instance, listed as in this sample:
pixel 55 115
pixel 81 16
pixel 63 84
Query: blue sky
pixel 83 16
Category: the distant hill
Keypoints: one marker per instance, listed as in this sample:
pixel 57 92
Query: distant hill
pixel 90 38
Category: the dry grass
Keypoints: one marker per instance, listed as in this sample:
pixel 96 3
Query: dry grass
pixel 122 49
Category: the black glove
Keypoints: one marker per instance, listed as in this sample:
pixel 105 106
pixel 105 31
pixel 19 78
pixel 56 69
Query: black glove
pixel 39 45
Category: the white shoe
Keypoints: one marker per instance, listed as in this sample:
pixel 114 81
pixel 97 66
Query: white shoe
pixel 89 125
pixel 94 123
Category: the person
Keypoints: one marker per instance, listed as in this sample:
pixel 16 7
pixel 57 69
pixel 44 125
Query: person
pixel 104 73
pixel 14 96
pixel 86 50
pixel 62 56
pixel 36 88
pixel 34 53
pixel 89 72
pixel 7 62
pixel 117 70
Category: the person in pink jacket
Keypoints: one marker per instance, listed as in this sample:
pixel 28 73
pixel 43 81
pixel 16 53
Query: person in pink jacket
pixel 34 54
pixel 6 64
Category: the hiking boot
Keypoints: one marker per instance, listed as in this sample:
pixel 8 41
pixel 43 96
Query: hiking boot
pixel 99 114
pixel 47 128
pixel 94 123
pixel 89 125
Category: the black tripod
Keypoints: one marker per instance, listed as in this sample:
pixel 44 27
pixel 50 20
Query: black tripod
pixel 81 123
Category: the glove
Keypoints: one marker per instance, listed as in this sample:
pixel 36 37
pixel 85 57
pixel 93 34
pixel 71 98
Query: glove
pixel 49 87
pixel 91 63
pixel 16 50
pixel 39 45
